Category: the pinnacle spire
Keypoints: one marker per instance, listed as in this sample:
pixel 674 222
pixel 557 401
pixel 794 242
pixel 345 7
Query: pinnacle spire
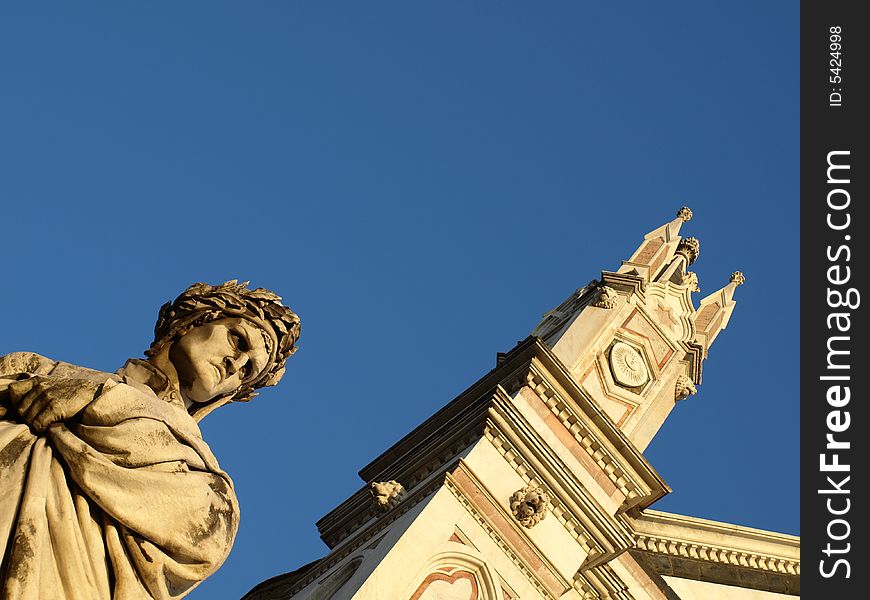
pixel 715 310
pixel 659 247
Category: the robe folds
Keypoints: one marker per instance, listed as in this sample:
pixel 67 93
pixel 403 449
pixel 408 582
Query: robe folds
pixel 122 501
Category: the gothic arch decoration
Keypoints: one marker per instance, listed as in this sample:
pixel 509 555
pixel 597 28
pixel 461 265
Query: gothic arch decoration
pixel 455 585
pixel 455 575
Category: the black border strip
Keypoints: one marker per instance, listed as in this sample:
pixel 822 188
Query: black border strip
pixel 834 101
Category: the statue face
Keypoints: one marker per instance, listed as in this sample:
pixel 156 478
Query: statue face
pixel 216 358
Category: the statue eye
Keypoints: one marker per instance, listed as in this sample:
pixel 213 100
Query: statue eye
pixel 237 341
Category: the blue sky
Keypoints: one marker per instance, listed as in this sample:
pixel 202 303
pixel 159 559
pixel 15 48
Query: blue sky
pixel 420 183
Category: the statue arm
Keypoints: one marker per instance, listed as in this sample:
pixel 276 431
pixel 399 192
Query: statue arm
pixel 169 514
pixel 172 513
pixel 39 391
pixel 40 401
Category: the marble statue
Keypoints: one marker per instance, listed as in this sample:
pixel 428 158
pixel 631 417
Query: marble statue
pixel 107 489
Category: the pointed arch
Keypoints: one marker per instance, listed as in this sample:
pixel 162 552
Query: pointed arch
pixel 462 574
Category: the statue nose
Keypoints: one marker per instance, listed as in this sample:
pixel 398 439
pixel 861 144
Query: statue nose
pixel 233 364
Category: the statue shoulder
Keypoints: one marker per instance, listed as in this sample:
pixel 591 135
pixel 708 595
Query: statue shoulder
pixel 16 363
pixel 31 363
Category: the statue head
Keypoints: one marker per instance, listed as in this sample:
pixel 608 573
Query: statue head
pixel 225 342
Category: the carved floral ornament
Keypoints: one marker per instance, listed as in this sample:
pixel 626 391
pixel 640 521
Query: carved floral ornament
pixel 684 388
pixel 738 278
pixel 627 365
pixel 530 505
pixel 387 494
pixel 606 297
pixel 685 214
pixel 690 248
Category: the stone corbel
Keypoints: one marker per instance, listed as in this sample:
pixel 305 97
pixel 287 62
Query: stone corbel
pixel 691 279
pixel 387 494
pixel 684 388
pixel 606 297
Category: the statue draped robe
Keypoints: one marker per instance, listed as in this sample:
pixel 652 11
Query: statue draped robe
pixel 125 500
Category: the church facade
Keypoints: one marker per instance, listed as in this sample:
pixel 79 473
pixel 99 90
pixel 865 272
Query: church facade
pixel 532 484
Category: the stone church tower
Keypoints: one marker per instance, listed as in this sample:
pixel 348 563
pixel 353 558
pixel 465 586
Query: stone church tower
pixel 532 484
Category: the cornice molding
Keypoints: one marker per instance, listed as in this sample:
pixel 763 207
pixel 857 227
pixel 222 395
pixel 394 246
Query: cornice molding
pixel 421 461
pixel 640 485
pixel 717 554
pixel 599 534
pixel 601 583
pixel 694 359
pixel 588 416
pixel 359 509
pixel 452 428
pixel 631 284
pixel 715 542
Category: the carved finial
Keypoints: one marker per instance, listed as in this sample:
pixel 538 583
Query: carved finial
pixel 529 505
pixel 387 494
pixel 606 297
pixel 738 278
pixel 690 248
pixel 684 388
pixel 685 214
